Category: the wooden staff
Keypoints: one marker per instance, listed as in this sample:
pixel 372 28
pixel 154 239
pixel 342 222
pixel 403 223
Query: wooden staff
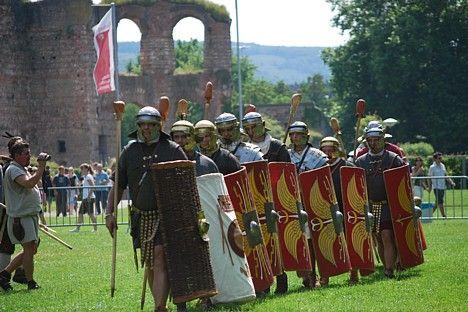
pixel 46 228
pixel 143 290
pixel 54 237
pixel 360 110
pixel 119 108
pixel 295 101
pixel 335 125
pixel 182 109
pixel 208 97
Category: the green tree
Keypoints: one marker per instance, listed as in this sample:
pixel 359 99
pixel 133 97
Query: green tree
pixel 128 122
pixel 409 60
pixel 188 56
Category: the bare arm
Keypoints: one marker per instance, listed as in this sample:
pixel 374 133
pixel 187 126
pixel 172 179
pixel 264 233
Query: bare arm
pixel 110 199
pixel 31 181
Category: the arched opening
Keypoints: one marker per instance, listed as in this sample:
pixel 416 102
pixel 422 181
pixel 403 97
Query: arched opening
pixel 128 42
pixel 189 38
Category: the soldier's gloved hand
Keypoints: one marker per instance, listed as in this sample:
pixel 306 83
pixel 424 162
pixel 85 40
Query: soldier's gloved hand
pixel 111 223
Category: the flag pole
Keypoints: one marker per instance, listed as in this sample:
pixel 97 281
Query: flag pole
pixel 115 51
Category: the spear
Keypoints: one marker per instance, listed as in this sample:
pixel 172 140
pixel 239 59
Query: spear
pixel 182 109
pixel 335 125
pixel 164 107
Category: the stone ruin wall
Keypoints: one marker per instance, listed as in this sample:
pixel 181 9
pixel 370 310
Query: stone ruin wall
pixel 47 56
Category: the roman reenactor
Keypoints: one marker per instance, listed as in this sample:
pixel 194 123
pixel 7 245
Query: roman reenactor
pixel 272 149
pixel 375 162
pixel 305 157
pixel 150 146
pixel 230 139
pixel 205 134
pixel 332 148
pixel 302 153
pixel 183 133
pixel 388 146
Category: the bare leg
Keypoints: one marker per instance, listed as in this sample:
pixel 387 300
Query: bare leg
pixel 15 263
pixel 380 247
pixel 160 287
pixel 353 277
pixel 93 218
pixel 389 250
pixel 29 250
pixel 442 210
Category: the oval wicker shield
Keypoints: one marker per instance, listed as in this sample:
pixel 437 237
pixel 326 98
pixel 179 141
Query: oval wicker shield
pixel 254 247
pixel 187 255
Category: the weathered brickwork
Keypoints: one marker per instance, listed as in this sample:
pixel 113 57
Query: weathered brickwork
pixel 46 61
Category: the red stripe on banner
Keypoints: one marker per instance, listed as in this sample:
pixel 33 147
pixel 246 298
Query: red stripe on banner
pixel 102 73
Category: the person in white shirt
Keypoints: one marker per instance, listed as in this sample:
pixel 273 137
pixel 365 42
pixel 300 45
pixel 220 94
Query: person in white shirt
pixel 437 169
pixel 87 202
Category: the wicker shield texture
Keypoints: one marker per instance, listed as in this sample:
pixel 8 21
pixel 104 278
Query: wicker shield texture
pixel 187 255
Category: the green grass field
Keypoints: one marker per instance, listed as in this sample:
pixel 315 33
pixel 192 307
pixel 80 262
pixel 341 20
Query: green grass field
pixel 78 280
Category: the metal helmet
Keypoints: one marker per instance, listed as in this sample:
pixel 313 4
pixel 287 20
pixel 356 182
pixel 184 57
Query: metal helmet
pixel 298 127
pixel 255 120
pixel 374 128
pixel 184 126
pixel 226 120
pixel 188 129
pixel 330 141
pixel 252 118
pixel 148 114
pixel 206 127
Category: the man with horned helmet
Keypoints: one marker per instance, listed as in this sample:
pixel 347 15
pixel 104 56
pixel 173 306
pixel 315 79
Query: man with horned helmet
pixel 230 139
pixel 207 140
pixel 150 146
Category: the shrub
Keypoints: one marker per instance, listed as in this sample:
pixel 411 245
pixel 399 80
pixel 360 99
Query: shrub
pixel 417 149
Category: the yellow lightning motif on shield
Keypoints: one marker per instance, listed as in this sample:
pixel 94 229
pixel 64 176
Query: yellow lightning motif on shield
pixel 357 202
pixel 327 235
pixel 406 204
pixel 292 231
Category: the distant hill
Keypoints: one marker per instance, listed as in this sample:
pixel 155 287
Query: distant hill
pixel 274 63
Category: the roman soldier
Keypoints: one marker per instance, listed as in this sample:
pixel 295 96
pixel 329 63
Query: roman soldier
pixel 150 146
pixel 230 139
pixel 302 154
pixel 388 146
pixel 183 133
pixel 331 147
pixel 272 149
pixel 375 162
pixel 205 134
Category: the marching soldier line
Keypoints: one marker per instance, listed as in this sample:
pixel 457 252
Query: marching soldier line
pixel 220 212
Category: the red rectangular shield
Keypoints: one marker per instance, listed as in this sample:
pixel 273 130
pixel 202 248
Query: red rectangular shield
pixel 357 223
pixel 254 247
pixel 319 199
pixel 404 221
pixel 259 180
pixel 286 196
